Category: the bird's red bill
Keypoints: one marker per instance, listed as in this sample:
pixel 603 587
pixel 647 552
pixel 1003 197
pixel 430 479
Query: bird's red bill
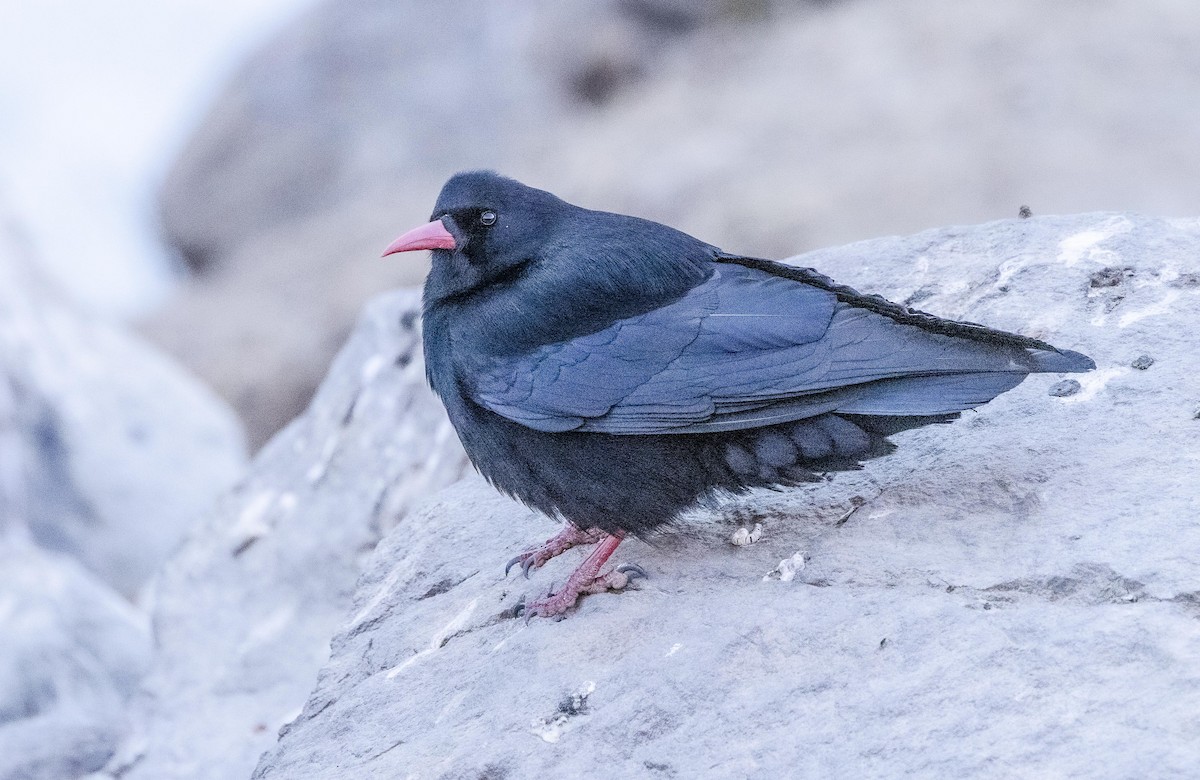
pixel 431 236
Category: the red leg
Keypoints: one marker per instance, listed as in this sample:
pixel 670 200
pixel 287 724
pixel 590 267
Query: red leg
pixel 586 579
pixel 570 536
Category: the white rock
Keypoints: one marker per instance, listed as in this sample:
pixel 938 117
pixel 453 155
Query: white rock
pixel 243 613
pixel 71 652
pixel 119 449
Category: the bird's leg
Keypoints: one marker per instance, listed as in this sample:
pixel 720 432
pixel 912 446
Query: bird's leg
pixel 570 536
pixel 586 579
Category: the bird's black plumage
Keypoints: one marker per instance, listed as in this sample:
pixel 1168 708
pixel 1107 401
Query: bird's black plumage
pixel 614 371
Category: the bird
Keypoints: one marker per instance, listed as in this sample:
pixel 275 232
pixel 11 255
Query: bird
pixel 613 372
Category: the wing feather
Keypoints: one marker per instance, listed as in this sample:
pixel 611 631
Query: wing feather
pixel 744 349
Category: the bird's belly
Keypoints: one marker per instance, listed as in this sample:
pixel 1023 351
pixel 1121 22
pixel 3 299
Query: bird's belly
pixel 615 483
pixel 635 484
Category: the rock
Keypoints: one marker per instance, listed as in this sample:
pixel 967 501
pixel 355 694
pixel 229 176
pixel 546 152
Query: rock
pixel 1110 276
pixel 737 131
pixel 304 128
pixel 244 611
pixel 1017 589
pixel 72 652
pixel 1142 362
pixel 114 448
pixel 1066 387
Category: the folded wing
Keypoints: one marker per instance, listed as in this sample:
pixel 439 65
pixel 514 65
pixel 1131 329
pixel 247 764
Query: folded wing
pixel 749 348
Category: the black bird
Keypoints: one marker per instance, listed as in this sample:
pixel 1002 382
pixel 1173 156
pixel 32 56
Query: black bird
pixel 613 372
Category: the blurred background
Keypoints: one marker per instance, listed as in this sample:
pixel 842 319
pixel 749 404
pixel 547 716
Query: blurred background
pixel 194 195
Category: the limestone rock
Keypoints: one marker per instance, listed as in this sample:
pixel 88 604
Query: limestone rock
pixel 244 611
pixel 113 449
pixel 71 652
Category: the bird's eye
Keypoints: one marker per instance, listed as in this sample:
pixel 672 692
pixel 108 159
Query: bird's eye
pixel 488 218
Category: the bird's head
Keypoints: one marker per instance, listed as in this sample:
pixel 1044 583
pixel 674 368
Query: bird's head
pixel 485 230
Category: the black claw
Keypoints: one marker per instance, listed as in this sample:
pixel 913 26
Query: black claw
pixel 632 571
pixel 519 607
pixel 525 567
pixel 511 564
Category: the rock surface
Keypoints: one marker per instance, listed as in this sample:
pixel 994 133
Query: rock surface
pixel 808 129
pixel 107 450
pixel 71 653
pixel 244 611
pixel 114 448
pixel 1014 594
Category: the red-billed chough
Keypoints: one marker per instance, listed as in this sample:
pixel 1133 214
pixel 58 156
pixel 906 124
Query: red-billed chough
pixel 613 372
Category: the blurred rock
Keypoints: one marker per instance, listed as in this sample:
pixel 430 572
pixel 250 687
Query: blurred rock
pixel 113 449
pixel 71 652
pixel 1016 592
pixel 368 93
pixel 244 611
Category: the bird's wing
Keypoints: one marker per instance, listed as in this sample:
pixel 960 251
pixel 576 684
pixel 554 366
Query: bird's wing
pixel 744 349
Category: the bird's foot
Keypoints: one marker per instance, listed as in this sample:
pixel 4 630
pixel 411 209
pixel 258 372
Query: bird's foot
pixel 585 580
pixel 570 536
pixel 555 604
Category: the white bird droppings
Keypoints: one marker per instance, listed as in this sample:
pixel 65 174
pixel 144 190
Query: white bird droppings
pixel 787 569
pixel 744 536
